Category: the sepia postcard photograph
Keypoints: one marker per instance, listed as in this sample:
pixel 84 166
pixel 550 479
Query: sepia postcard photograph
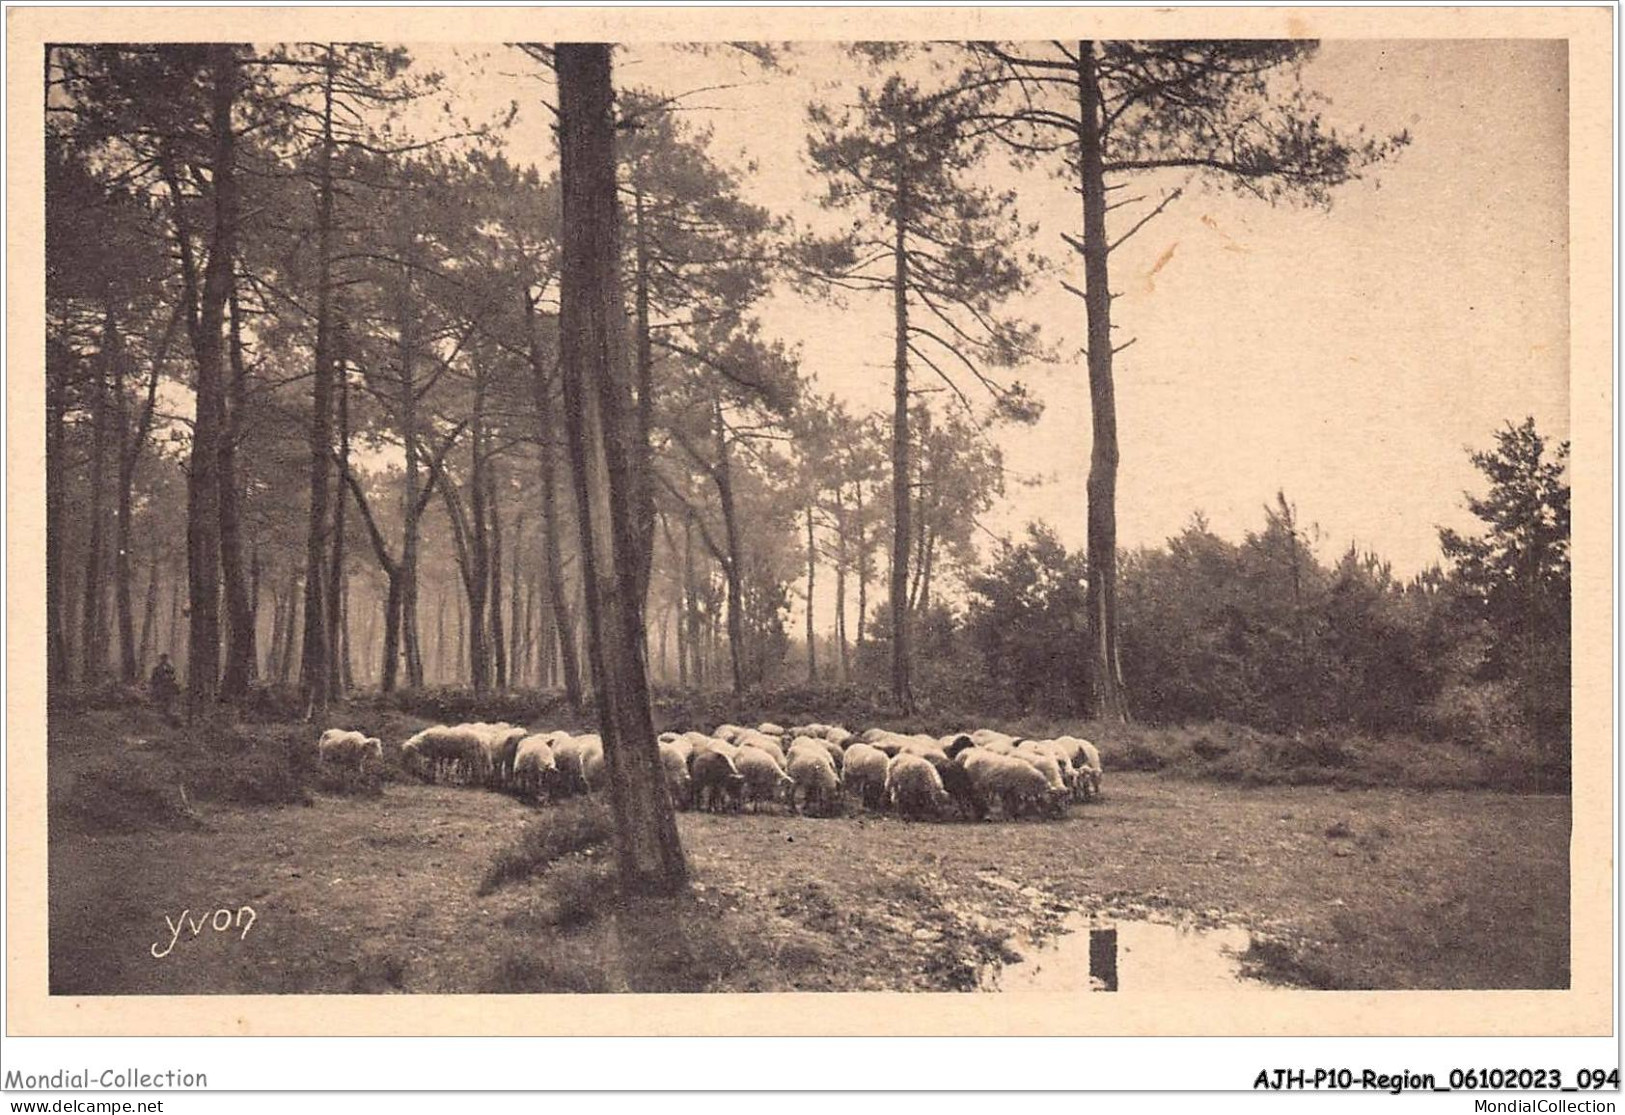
pixel 810 521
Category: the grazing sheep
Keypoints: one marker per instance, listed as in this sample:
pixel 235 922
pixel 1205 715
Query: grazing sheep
pixel 1044 763
pixel 460 749
pixel 765 779
pixel 770 729
pixel 568 752
pixel 958 784
pixel 1085 758
pixel 594 771
pixel 814 731
pixel 1055 751
pixel 682 745
pixel 427 752
pixel 954 744
pixel 996 742
pixel 865 773
pixel 837 735
pixel 727 732
pixel 1013 782
pixel 348 749
pixel 835 753
pixel 766 744
pixel 717 783
pixel 502 748
pixel 666 737
pixel 813 774
pixel 889 743
pixel 914 788
pixel 535 770
pixel 679 783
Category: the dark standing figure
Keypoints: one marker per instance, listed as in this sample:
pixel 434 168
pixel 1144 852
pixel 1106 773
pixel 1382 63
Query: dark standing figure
pixel 164 687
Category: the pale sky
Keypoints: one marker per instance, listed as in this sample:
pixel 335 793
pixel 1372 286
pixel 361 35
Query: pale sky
pixel 1350 357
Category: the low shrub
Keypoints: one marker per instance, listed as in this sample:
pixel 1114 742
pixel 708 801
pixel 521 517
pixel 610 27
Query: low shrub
pixel 578 825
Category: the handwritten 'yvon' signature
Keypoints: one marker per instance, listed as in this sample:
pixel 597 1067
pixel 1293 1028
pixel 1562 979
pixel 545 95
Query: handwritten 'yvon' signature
pixel 222 920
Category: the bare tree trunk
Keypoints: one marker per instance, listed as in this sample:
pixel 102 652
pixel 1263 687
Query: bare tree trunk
pixel 273 661
pixel 462 643
pixel 499 640
pixel 516 617
pixel 605 462
pixel 558 602
pixel 1106 682
pixel 335 568
pixel 173 646
pixel 841 559
pixel 863 567
pixel 440 640
pixel 240 651
pixel 902 691
pixel 149 619
pixel 685 609
pixel 642 463
pixel 292 635
pixel 58 366
pixel 812 640
pixel 314 661
pixel 203 509
pixel 93 621
pixel 734 569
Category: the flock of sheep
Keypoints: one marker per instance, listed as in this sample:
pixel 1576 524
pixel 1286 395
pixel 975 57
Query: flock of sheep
pixel 806 768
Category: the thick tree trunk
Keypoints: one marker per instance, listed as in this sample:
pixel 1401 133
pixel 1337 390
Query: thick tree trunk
pixel 240 652
pixel 314 660
pixel 902 690
pixel 1106 682
pixel 602 451
pixel 203 489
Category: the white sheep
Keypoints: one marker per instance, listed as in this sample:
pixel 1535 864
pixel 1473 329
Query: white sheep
pixel 1012 781
pixel 813 773
pixel 1085 758
pixel 674 762
pixel 913 786
pixel 535 769
pixel 348 749
pixel 864 772
pixel 768 745
pixel 717 783
pixel 765 779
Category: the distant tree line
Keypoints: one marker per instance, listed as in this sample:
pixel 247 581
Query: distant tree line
pixel 1263 632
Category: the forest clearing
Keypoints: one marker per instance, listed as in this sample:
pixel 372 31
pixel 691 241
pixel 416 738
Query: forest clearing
pixel 401 891
pixel 430 431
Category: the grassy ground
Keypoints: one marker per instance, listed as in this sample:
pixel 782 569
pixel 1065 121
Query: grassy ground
pixel 407 887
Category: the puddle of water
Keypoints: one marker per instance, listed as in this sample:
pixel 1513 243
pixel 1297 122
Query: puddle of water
pixel 1131 956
